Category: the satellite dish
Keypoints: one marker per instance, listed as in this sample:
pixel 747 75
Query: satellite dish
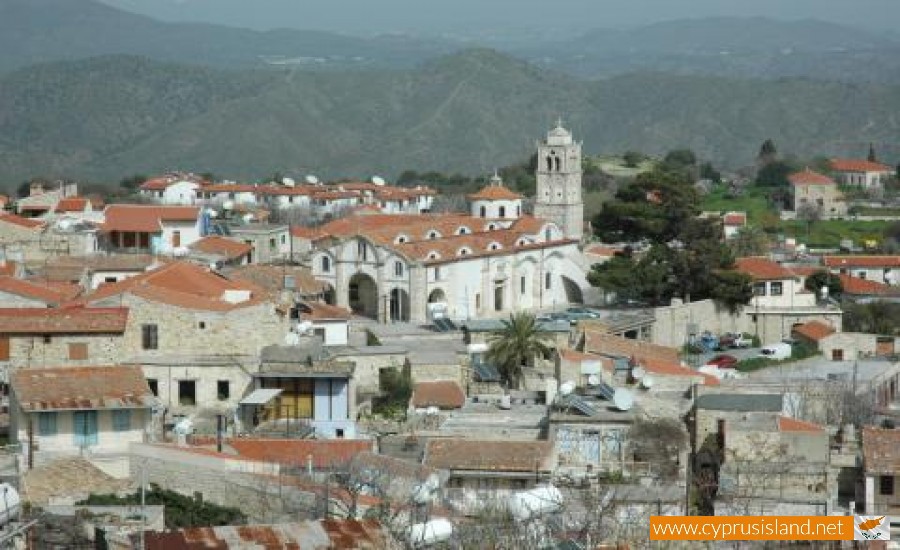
pixel 593 380
pixel 288 182
pixel 378 180
pixel 311 179
pixel 567 388
pixel 623 400
pixel 228 205
pixel 647 382
pixel 638 372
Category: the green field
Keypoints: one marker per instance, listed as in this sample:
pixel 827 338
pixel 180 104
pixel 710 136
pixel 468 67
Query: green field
pixel 615 166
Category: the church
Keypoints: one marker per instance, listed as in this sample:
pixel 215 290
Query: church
pixel 488 262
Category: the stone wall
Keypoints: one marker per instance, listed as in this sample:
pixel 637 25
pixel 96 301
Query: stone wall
pixel 672 321
pixel 35 351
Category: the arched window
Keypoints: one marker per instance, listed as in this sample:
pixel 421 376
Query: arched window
pixel 547 281
pixel 495 246
pixel 463 251
pixel 326 264
pixel 402 239
pixel 398 269
pixel 502 212
pixel 433 234
pixel 483 211
pixel 549 163
pixel 557 159
pixel 362 251
pixel 463 230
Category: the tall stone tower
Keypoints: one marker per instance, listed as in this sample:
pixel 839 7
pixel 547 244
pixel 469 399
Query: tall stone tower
pixel 559 182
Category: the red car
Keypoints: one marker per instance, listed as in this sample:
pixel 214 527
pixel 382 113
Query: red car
pixel 723 361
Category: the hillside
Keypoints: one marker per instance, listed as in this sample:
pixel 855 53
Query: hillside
pixel 39 31
pixel 104 118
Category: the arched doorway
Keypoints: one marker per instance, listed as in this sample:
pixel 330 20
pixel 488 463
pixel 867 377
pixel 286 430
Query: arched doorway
pixel 573 291
pixel 399 305
pixel 363 295
pixel 437 296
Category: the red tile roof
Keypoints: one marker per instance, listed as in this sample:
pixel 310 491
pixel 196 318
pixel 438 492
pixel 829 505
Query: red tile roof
pixel 597 340
pixel 809 177
pixel 229 188
pixel 855 286
pixel 309 233
pixel 271 278
pixel 881 451
pixel 221 246
pixel 735 218
pixel 146 219
pixel 8 268
pixel 28 289
pixel 762 269
pixel 858 165
pixel 72 204
pixel 786 424
pixel 443 394
pixel 66 320
pixel 21 222
pixel 325 453
pixel 814 330
pixel 602 250
pixel 321 311
pixel 489 455
pixel 66 388
pixel 862 261
pixel 667 368
pixel 181 284
pixel 495 192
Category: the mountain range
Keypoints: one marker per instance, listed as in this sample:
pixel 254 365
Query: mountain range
pixel 104 118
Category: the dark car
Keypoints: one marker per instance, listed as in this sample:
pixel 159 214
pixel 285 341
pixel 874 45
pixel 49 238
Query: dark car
pixel 723 361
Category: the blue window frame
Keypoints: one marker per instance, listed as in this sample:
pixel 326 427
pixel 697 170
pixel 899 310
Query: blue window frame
pixel 84 426
pixel 121 420
pixel 47 423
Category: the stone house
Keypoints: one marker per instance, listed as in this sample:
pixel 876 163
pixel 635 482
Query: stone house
pixel 330 323
pixel 20 293
pixel 268 242
pixel 92 271
pixel 220 251
pixel 817 192
pixel 196 334
pixel 445 395
pixel 150 229
pixel 29 240
pixel 861 173
pixel 847 346
pixel 489 466
pixel 881 471
pixel 35 337
pixel 69 410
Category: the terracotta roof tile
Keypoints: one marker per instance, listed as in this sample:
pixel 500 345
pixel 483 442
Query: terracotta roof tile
pixel 271 278
pixel 495 192
pixel 66 320
pixel 72 204
pixel 858 165
pixel 31 290
pixel 855 286
pixel 221 246
pixel 667 368
pixel 602 250
pixel 325 453
pixel 322 311
pixel 814 330
pixel 62 388
pixel 876 261
pixel 443 394
pixel 762 269
pixel 787 424
pixel 881 451
pixel 489 455
pixel 309 233
pixel 22 222
pixel 599 341
pixel 8 268
pixel 809 177
pixel 735 219
pixel 146 219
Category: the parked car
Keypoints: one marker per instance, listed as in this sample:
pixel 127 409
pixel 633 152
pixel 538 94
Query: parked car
pixel 776 351
pixel 723 361
pixel 577 313
pixel 551 317
pixel 734 340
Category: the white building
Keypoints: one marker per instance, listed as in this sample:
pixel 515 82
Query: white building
pixel 861 173
pixel 176 189
pixel 878 268
pixel 150 229
pixel 559 194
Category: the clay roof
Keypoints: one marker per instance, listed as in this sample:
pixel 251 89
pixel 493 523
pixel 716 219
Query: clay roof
pixel 8 268
pixel 599 341
pixel 146 219
pixel 663 367
pixel 809 177
pixel 601 250
pixel 856 286
pixel 105 262
pixel 858 165
pixel 229 188
pixel 495 192
pixel 72 204
pixel 66 388
pixel 310 233
pixel 786 424
pixel 66 320
pixel 735 218
pixel 762 269
pixel 350 534
pixel 881 451
pixel 489 455
pixel 322 311
pixel 443 394
pixel 271 278
pixel 814 330
pixel 862 261
pixel 31 290
pixel 325 453
pixel 21 222
pixel 182 284
pixel 221 246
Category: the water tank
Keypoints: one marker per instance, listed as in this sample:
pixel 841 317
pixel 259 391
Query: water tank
pixel 525 505
pixel 430 532
pixel 10 503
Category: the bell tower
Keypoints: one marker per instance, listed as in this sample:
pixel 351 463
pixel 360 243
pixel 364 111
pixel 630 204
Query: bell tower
pixel 559 182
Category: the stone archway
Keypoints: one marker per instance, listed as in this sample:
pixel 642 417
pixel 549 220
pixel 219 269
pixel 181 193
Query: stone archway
pixel 362 294
pixel 437 296
pixel 573 291
pixel 398 307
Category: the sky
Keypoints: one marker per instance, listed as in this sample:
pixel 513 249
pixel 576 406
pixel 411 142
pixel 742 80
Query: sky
pixel 475 17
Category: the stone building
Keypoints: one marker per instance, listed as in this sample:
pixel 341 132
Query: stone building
pixel 817 194
pixel 559 194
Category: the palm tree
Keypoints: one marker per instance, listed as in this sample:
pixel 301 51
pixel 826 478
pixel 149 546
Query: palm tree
pixel 513 346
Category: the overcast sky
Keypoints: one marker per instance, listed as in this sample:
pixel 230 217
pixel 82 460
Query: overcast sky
pixel 475 16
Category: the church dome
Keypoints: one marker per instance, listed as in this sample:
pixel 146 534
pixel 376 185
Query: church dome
pixel 559 136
